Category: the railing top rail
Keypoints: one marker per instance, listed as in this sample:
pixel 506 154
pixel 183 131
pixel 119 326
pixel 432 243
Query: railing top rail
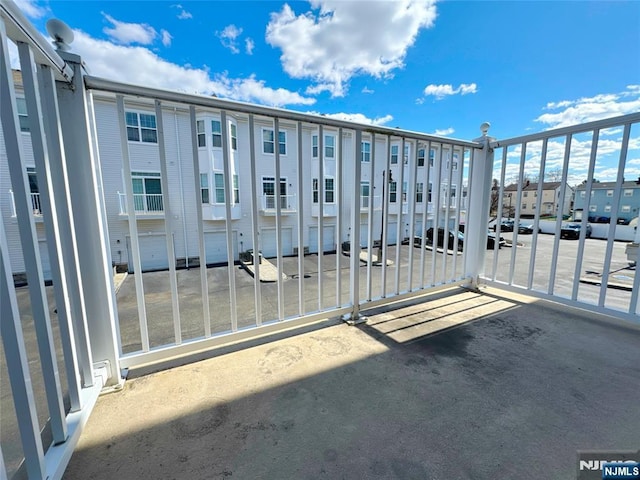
pixel 106 85
pixel 19 29
pixel 573 129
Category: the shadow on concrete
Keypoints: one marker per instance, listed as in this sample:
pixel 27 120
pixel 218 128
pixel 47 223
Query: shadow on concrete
pixel 511 391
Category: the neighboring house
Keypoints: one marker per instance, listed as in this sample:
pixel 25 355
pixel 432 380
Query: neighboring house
pixel 549 201
pixel 179 204
pixel 599 207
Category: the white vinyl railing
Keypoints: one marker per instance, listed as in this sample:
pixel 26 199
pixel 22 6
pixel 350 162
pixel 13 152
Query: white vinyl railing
pixel 580 274
pixel 287 202
pixel 144 203
pixel 82 289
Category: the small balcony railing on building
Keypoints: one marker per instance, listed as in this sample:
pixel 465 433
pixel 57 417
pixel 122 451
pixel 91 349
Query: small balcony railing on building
pixel 144 203
pixel 36 205
pixel 375 201
pixel 287 204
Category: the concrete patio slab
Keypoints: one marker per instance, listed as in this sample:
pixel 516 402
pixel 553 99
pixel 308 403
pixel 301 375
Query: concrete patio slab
pixel 513 391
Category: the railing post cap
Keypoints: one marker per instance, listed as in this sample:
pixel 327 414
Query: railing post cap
pixel 484 128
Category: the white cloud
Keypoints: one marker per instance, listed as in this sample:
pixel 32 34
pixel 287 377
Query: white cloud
pixel 249 45
pixel 444 132
pixel 139 65
pixel 183 15
pixel 127 33
pixel 356 117
pixel 588 109
pixel 367 90
pixel 441 91
pixel 166 38
pixel 30 9
pixel 338 40
pixel 229 37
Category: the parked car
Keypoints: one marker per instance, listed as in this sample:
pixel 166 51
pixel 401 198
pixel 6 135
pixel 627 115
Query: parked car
pixel 527 228
pixel 491 239
pixel 506 225
pixel 572 230
pixel 451 238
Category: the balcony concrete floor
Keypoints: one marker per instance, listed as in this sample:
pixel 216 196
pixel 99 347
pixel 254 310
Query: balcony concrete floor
pixel 513 392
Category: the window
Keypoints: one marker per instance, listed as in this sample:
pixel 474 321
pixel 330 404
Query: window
pixel 216 133
pixel 204 187
pixel 583 194
pixel 429 193
pixel 141 127
pixel 524 206
pixel 525 194
pixel 593 208
pixel 22 114
pixel 628 193
pixel 364 194
pixel 269 192
pixel 202 139
pixel 404 192
pixel 234 137
pixel 535 194
pixel 607 208
pixel 366 151
pixel 329 146
pixel 609 193
pixel 329 190
pixel 432 155
pixel 406 154
pixel 421 154
pixel 34 191
pixel 452 192
pixel 147 192
pixel 314 146
pixel 236 190
pixel 393 188
pixel 625 208
pixel 419 192
pixel 394 153
pixel 268 141
pixel 533 207
pixel 219 187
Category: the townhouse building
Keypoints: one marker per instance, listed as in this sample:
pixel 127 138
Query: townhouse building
pixel 550 204
pixel 306 168
pixel 600 206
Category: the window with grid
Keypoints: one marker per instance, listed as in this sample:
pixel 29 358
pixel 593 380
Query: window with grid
pixel 234 137
pixel 23 118
pixel 236 190
pixel 328 190
pixel 204 187
pixel 628 193
pixel 364 194
pixel 393 189
pixel 202 136
pixel 366 151
pixel 419 192
pixel 394 154
pixel 421 156
pixel 216 133
pixel 268 141
pixel 219 187
pixel 141 127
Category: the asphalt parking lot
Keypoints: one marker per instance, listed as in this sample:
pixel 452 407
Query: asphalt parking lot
pixel 333 274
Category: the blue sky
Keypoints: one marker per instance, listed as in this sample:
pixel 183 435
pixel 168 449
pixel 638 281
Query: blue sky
pixel 435 67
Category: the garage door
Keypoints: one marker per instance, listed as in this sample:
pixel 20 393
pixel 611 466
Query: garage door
pixel 153 253
pixel 392 233
pixel 215 244
pixel 364 234
pixel 328 238
pixel 268 242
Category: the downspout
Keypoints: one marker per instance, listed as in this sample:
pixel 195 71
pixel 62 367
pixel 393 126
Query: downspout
pixel 184 215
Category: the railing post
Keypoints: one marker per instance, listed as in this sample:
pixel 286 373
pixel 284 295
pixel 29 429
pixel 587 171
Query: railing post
pixel 87 198
pixel 479 199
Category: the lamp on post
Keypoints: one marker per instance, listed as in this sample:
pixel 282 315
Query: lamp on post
pixel 384 203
